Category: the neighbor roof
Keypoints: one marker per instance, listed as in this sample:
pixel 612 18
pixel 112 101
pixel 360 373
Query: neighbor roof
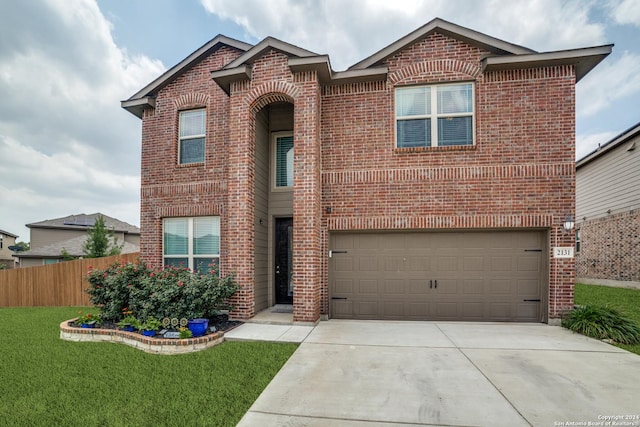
pixel 624 137
pixel 6 233
pixel 72 246
pixel 84 222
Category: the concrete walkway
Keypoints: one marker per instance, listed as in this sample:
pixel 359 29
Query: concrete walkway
pixel 366 373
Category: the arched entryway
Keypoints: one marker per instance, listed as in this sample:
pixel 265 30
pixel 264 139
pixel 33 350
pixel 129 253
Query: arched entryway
pixel 273 195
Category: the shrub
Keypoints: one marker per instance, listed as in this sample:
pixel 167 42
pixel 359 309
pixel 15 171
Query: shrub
pixel 158 293
pixel 602 323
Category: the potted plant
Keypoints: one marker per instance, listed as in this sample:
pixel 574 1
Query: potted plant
pixel 88 320
pixel 150 326
pixel 129 323
pixel 185 333
pixel 198 327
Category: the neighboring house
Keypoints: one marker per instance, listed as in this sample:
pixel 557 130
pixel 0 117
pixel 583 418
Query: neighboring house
pixel 608 212
pixel 427 181
pixel 6 255
pixel 51 237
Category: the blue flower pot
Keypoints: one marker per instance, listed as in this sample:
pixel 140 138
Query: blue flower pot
pixel 88 325
pixel 128 328
pixel 198 327
pixel 149 333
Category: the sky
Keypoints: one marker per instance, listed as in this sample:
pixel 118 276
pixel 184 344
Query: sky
pixel 67 147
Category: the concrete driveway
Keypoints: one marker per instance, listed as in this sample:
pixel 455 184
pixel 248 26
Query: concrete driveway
pixel 366 373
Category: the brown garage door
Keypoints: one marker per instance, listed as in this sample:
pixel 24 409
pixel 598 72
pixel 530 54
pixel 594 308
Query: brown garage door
pixel 477 276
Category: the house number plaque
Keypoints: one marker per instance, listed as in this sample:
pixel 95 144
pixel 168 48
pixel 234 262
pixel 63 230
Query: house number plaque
pixel 563 252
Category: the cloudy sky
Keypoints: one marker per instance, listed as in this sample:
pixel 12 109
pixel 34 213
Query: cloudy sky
pixel 66 146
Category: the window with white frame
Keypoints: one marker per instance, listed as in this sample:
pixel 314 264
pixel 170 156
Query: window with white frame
pixel 192 243
pixel 435 115
pixel 283 159
pixel 192 136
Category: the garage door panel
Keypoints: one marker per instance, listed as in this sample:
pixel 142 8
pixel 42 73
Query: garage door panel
pixel 418 287
pixel 343 264
pixel 480 275
pixel 394 287
pixel 528 263
pixel 367 287
pixel 449 263
pixel 343 286
pixel 367 263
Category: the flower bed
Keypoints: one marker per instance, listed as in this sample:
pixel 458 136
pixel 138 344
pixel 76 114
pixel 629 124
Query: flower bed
pixel 109 332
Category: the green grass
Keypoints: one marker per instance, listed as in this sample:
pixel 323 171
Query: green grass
pixel 626 301
pixel 46 381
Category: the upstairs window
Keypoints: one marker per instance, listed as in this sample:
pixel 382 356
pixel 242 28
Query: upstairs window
pixel 192 134
pixel 283 146
pixel 435 115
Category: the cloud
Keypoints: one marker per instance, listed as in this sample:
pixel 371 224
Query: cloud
pixel 585 144
pixel 351 31
pixel 607 84
pixel 626 12
pixel 72 148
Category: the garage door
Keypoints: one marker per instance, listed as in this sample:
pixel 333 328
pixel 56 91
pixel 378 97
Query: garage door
pixel 470 276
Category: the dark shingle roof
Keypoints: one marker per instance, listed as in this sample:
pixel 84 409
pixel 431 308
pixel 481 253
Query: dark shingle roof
pixel 84 222
pixel 72 246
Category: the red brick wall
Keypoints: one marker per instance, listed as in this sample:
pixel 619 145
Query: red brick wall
pixel 609 248
pixel 520 173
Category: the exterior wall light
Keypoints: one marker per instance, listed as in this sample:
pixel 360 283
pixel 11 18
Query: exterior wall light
pixel 568 223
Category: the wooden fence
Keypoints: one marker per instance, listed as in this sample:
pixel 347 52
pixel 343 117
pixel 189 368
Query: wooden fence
pixel 54 285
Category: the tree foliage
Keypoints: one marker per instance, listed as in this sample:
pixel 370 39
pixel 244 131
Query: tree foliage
pixel 101 241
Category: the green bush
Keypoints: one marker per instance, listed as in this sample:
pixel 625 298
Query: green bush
pixel 159 293
pixel 602 323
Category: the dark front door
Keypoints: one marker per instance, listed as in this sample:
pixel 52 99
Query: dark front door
pixel 283 261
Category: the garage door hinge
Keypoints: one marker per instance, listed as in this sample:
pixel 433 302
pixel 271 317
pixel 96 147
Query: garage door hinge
pixel 532 300
pixel 336 252
pixel 338 297
pixel 533 250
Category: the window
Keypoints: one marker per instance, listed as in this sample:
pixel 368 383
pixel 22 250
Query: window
pixel 192 242
pixel 192 134
pixel 434 116
pixel 283 160
pixel 578 240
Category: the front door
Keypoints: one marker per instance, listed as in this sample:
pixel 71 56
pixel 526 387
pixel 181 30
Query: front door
pixel 283 261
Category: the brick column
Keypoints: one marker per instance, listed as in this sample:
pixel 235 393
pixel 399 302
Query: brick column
pixel 238 257
pixel 307 247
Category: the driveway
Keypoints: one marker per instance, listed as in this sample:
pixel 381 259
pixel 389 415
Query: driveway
pixel 366 373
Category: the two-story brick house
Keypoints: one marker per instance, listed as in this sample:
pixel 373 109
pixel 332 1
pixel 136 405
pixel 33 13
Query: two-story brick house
pixel 428 181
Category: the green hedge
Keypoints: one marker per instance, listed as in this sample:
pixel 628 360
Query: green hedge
pixel 147 292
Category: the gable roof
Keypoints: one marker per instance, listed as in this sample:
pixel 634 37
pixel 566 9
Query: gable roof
pixel 448 29
pixel 146 96
pixel 503 56
pixel 73 247
pixel 624 137
pixel 84 222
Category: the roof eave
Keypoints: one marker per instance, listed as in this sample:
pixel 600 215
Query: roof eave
pixel 225 77
pixel 137 106
pixel 584 60
pixel 356 76
pixel 624 137
pixel 320 64
pixel 448 29
pixel 152 88
pixel 267 44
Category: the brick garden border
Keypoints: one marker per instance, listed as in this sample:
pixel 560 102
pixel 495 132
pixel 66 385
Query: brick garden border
pixel 147 344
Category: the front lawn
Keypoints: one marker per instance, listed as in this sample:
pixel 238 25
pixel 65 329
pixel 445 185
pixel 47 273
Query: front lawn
pixel 627 301
pixel 46 381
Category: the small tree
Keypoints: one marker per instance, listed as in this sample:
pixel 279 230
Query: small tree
pixel 101 241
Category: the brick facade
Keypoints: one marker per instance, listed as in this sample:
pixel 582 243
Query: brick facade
pixel 519 174
pixel 609 248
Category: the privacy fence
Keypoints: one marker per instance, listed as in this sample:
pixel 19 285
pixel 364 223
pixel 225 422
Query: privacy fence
pixel 54 285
